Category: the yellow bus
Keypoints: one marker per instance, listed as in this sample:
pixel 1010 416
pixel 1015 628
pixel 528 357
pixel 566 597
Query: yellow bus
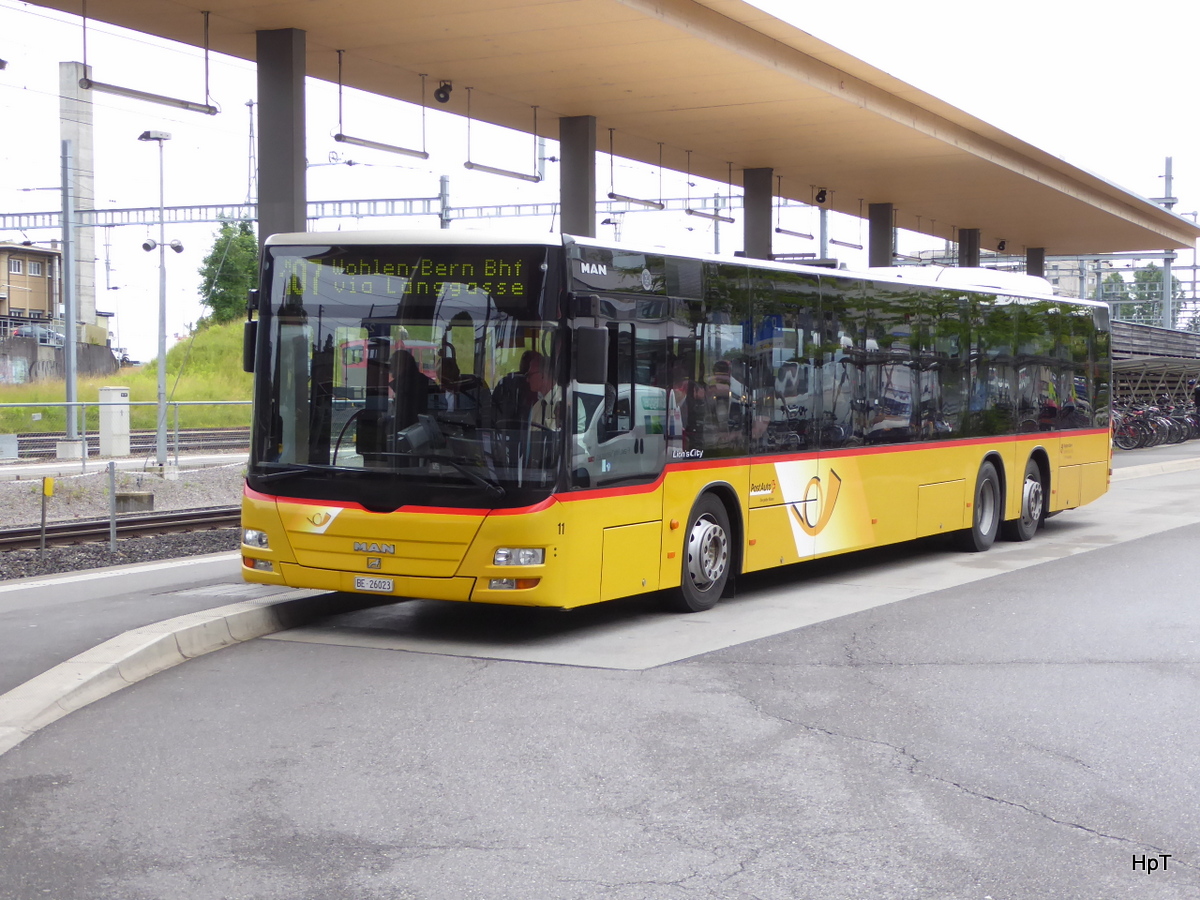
pixel 604 421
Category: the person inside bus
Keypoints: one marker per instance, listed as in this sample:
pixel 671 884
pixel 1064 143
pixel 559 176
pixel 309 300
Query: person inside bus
pixel 546 408
pixel 686 399
pixel 513 397
pixel 409 389
pixel 460 392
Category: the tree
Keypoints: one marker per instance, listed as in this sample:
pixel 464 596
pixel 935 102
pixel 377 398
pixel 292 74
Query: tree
pixel 1114 289
pixel 229 271
pixel 1139 301
pixel 1146 291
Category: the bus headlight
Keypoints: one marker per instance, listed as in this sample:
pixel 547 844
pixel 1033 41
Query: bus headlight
pixel 519 556
pixel 254 538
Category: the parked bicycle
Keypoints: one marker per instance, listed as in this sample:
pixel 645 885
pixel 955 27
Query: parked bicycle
pixel 1138 425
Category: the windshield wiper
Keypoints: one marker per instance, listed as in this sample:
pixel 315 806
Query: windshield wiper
pixel 492 488
pixel 425 439
pixel 294 469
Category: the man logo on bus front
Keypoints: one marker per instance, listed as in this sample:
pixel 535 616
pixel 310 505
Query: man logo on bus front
pixel 814 511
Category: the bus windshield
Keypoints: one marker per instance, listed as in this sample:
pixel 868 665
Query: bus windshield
pixel 407 375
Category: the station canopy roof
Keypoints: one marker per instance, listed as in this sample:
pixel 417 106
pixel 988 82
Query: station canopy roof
pixel 730 83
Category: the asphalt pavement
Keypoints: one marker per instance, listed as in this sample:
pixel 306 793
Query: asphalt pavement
pixel 1027 730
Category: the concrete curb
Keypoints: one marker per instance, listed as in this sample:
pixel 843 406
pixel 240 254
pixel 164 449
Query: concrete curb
pixel 128 658
pixel 1162 468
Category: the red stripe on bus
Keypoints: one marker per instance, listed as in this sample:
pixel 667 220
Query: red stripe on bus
pixel 698 465
pixel 598 493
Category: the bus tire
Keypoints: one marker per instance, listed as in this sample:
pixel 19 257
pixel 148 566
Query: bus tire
pixel 985 512
pixel 1033 507
pixel 707 557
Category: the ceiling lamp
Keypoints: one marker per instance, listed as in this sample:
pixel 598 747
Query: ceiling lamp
pixel 343 138
pixel 492 170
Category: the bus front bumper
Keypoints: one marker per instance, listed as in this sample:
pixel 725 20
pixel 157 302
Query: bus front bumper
pixel 461 588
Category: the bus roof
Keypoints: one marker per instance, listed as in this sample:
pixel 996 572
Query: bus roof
pixel 989 281
pixel 433 236
pixel 936 277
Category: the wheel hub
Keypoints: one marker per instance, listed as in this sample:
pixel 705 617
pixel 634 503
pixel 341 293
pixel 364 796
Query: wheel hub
pixel 1031 501
pixel 708 552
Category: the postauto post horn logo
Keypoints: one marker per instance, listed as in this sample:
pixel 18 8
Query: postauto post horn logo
pixel 815 509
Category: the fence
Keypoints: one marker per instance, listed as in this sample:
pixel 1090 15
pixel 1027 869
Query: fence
pixel 38 444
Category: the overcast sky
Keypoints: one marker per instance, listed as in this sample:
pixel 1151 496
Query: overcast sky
pixel 1111 91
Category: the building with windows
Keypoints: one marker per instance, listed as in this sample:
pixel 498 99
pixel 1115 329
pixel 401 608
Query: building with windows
pixel 30 285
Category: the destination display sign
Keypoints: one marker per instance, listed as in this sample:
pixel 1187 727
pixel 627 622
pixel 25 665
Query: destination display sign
pixel 398 274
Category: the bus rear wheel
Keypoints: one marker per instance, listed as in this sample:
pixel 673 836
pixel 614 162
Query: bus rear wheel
pixel 707 557
pixel 1033 507
pixel 985 512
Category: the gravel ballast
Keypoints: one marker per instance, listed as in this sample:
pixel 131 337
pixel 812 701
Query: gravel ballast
pixel 86 496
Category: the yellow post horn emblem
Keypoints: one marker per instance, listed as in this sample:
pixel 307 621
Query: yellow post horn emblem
pixel 825 504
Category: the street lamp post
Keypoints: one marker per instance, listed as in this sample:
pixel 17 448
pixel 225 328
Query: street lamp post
pixel 160 441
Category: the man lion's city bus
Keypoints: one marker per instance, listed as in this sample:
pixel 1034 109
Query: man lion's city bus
pixel 601 421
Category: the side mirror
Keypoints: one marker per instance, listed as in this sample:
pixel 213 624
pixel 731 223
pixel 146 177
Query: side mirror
pixel 250 331
pixel 249 342
pixel 591 355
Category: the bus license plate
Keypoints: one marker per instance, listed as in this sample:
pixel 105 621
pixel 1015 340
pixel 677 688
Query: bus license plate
pixel 375 585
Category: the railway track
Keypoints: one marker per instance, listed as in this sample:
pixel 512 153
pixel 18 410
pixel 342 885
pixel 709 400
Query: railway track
pixel 43 445
pixel 83 531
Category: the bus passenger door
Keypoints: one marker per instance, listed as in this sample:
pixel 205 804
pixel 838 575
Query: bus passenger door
pixel 618 442
pixel 784 411
pixel 619 426
pixel 851 406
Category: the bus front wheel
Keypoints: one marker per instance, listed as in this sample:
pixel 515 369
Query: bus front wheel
pixel 707 557
pixel 985 512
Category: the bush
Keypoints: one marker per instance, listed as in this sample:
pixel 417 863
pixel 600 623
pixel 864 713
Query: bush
pixel 205 366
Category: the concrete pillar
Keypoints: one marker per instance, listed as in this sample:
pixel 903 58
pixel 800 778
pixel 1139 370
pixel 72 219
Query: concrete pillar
pixel 759 194
pixel 1035 261
pixel 75 125
pixel 968 247
pixel 577 174
pixel 880 234
pixel 282 192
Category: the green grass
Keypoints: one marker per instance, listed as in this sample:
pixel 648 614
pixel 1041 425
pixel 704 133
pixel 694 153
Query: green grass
pixel 207 366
